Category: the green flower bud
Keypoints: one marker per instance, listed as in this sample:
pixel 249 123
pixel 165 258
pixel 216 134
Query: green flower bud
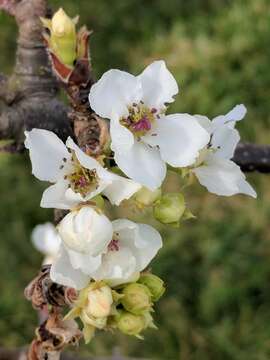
pixel 170 208
pixel 63 37
pixel 130 324
pixel 154 284
pixel 137 298
pixel 145 197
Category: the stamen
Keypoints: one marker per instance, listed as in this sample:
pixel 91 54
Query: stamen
pixel 82 180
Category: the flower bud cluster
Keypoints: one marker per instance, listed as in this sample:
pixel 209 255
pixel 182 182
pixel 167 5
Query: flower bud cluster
pixel 136 304
pixel 127 308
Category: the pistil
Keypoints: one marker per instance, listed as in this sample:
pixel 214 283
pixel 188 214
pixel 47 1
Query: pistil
pixel 114 245
pixel 140 119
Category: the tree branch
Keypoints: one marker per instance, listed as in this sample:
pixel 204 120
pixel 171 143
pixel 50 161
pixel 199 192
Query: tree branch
pixel 252 157
pixel 29 94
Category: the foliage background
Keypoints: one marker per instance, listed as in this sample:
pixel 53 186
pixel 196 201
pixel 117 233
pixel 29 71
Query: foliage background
pixel 217 268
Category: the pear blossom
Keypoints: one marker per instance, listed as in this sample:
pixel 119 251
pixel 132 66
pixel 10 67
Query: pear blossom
pixel 86 235
pixel 131 248
pixel 46 239
pixel 76 176
pixel 214 168
pixel 143 138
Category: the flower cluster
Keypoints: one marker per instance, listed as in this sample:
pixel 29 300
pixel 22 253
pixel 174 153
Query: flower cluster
pixel 106 260
pixel 126 308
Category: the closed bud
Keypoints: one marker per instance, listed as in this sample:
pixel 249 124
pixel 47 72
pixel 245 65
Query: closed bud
pixel 99 302
pixel 99 323
pixel 154 284
pixel 130 324
pixel 62 24
pixel 137 298
pixel 145 197
pixel 63 37
pixel 170 208
pixel 86 231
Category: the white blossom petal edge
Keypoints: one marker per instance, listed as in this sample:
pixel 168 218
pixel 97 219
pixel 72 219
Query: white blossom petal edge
pixel 143 138
pixel 214 168
pixel 76 177
pixel 130 250
pixel 46 239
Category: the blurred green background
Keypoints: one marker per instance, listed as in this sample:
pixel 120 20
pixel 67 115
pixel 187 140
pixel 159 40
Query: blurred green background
pixel 217 268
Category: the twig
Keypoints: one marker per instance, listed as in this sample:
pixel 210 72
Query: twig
pixel 30 93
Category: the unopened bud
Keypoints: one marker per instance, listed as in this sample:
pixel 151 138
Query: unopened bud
pixel 145 197
pixel 154 284
pixel 137 298
pixel 170 208
pixel 99 302
pixel 79 229
pixel 99 323
pixel 131 324
pixel 63 38
pixel 62 24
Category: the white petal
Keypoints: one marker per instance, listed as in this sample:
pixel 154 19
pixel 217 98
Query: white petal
pixel 204 122
pixel 179 137
pixel 143 164
pixel 46 239
pixel 120 189
pixel 86 231
pixel 143 240
pixel 223 177
pixel 158 84
pixel 114 92
pixel 122 138
pixel 84 159
pixel 225 140
pixel 47 152
pixel 84 262
pixel 117 265
pixel 236 114
pixel 63 273
pixel 148 242
pixel 59 196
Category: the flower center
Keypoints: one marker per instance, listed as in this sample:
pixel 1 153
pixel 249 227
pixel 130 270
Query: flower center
pixel 114 245
pixel 140 119
pixel 82 180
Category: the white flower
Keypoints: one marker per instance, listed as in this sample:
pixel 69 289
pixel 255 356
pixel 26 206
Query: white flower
pixel 85 235
pixel 46 239
pixel 143 138
pixel 131 248
pixel 213 168
pixel 77 177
